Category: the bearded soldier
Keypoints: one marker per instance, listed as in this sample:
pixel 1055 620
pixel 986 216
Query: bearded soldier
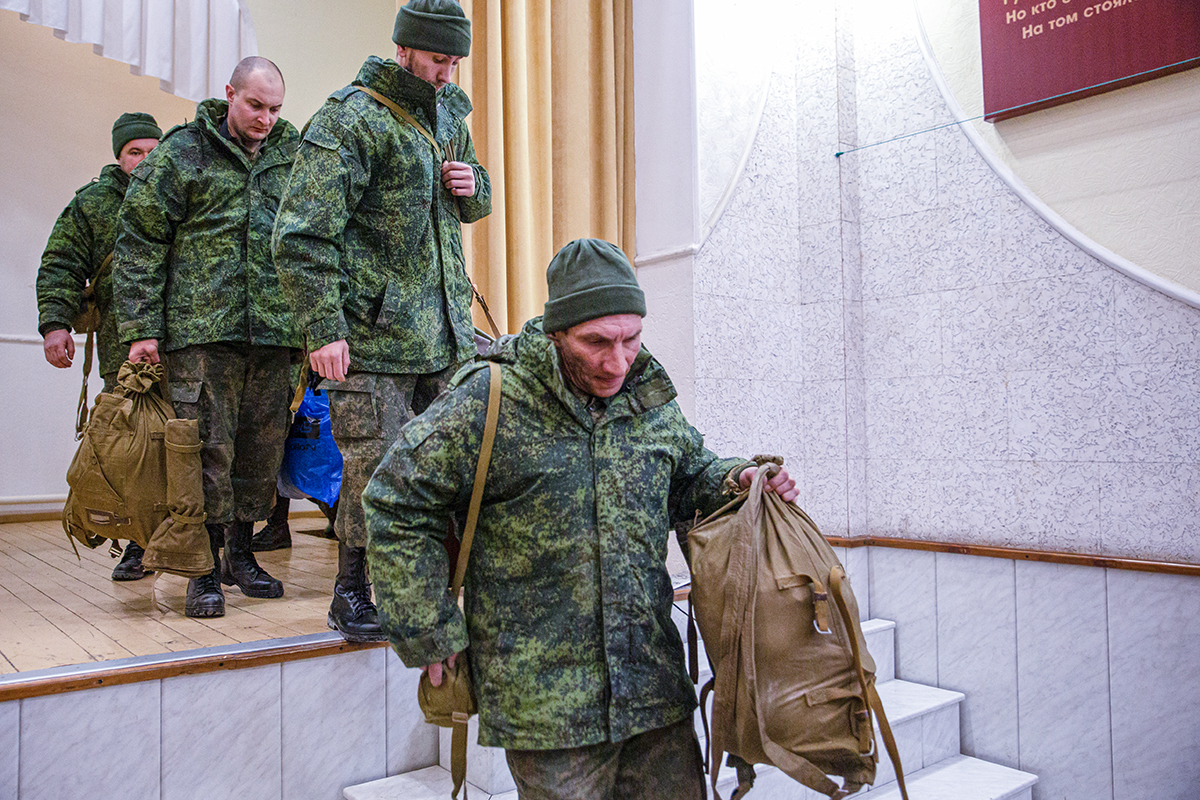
pixel 368 245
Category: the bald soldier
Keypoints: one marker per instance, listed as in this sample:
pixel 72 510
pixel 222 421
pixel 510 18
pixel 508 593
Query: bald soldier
pixel 195 288
pixel 78 255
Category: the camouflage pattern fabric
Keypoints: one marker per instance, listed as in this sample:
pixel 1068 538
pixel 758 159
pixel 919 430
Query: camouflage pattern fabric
pixel 368 242
pixel 240 395
pixel 568 599
pixel 366 413
pixel 193 259
pixel 82 238
pixel 662 764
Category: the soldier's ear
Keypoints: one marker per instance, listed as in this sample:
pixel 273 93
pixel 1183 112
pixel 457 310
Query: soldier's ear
pixel 229 92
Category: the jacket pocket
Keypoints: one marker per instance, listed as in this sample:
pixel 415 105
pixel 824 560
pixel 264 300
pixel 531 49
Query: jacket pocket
pixel 353 412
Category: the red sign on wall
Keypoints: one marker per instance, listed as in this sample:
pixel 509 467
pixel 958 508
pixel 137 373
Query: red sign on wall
pixel 1041 53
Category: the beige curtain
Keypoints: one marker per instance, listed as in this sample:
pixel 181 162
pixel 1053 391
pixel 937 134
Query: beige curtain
pixel 552 86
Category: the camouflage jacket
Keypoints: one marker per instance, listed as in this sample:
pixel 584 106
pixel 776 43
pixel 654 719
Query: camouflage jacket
pixel 82 238
pixel 368 242
pixel 193 258
pixel 567 595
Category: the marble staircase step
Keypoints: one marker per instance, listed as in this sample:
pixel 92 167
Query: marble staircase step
pixel 956 778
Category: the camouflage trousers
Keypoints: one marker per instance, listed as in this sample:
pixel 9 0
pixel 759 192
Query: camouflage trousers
pixel 240 394
pixel 661 764
pixel 366 413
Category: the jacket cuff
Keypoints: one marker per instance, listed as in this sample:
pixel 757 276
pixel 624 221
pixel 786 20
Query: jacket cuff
pixel 327 329
pixel 433 647
pixel 138 330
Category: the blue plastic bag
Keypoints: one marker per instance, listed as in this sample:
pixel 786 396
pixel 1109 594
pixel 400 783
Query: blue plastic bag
pixel 312 464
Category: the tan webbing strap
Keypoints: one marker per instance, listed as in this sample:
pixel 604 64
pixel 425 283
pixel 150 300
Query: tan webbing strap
pixel 298 396
pixel 483 304
pixel 458 735
pixel 872 699
pixel 481 469
pixel 405 117
pixel 81 411
pixel 458 755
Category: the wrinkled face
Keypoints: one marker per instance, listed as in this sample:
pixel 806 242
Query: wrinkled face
pixel 133 152
pixel 597 354
pixel 254 109
pixel 435 68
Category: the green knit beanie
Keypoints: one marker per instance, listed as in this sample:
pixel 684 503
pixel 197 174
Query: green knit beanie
pixel 589 279
pixel 439 26
pixel 133 125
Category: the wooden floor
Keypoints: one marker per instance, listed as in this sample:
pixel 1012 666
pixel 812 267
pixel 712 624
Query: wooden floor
pixel 56 610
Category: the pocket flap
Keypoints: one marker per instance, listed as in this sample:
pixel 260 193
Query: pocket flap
pixel 186 392
pixel 355 382
pixel 389 309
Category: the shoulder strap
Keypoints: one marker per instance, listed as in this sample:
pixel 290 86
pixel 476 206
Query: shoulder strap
pixel 403 116
pixel 481 470
pixel 854 629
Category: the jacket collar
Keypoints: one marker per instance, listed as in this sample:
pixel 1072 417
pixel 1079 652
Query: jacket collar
pixel 113 174
pixel 212 112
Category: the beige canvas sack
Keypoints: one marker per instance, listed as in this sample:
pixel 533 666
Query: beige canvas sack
pixel 794 685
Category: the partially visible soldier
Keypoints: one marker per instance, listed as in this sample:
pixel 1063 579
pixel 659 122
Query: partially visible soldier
pixel 567 606
pixel 368 244
pixel 78 253
pixel 195 286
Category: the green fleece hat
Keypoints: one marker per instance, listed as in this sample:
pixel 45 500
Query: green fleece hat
pixel 439 26
pixel 133 125
pixel 589 279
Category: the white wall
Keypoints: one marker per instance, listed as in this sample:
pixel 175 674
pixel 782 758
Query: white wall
pixel 1120 167
pixel 934 359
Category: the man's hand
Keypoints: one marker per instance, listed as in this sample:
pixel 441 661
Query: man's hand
pixel 435 670
pixel 59 347
pixel 331 361
pixel 459 178
pixel 144 350
pixel 781 483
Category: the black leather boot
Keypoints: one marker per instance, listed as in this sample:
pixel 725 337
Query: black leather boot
pixel 130 568
pixel 239 567
pixel 275 535
pixel 352 614
pixel 204 595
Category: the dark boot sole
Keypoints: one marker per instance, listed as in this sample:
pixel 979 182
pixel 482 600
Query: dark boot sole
pixel 265 594
pixel 130 575
pixel 204 613
pixel 261 546
pixel 350 636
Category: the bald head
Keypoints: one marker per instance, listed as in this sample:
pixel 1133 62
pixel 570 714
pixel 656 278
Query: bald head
pixel 255 95
pixel 251 65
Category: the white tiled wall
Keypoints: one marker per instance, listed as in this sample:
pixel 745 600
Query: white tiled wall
pixel 300 730
pixel 1083 676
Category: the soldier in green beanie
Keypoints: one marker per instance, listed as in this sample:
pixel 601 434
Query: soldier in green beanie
pixel 368 244
pixel 78 256
pixel 566 617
